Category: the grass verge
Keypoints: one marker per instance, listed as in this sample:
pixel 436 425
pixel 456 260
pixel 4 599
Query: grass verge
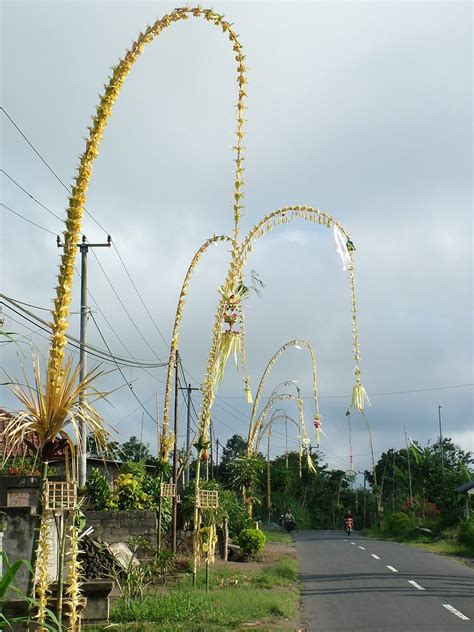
pixel 262 599
pixel 447 547
pixel 277 536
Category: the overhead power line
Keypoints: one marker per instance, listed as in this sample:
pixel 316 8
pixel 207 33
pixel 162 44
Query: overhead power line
pixel 61 219
pixel 68 189
pixel 46 230
pixel 415 390
pixel 122 374
pixel 10 303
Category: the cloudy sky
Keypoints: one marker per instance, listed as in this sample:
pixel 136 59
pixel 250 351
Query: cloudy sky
pixel 361 109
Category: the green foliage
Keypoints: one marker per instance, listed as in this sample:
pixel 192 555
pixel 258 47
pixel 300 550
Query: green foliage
pixel 436 470
pixel 251 541
pixel 235 446
pixel 135 468
pixel 164 561
pixel 20 466
pixel 129 495
pixel 135 450
pixel 284 573
pixel 246 471
pixel 466 532
pixel 7 584
pixel 399 524
pixel 230 507
pixel 99 494
pixel 189 609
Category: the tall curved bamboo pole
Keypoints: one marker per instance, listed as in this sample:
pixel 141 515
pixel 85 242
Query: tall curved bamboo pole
pixel 77 200
pixel 266 410
pixel 168 438
pixel 267 371
pixel 287 214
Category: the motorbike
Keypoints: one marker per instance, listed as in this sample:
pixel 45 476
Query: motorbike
pixel 349 526
pixel 290 525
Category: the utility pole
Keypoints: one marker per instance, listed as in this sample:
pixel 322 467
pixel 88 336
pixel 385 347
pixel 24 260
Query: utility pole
pixel 82 447
pixel 212 450
pixel 409 473
pixel 175 457
pixel 365 499
pixel 189 390
pixel 217 453
pixel 441 441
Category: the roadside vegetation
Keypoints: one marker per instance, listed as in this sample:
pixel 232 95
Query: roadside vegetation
pixel 265 595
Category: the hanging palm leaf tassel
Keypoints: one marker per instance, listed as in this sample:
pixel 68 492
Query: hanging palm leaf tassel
pixel 309 462
pixel 317 427
pixel 229 345
pixel 359 397
pixel 248 395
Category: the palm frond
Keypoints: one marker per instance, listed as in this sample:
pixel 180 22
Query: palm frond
pixel 63 400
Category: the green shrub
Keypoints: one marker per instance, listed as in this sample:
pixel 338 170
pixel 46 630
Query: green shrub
pixel 232 506
pixel 99 495
pixel 128 493
pixel 251 541
pixel 466 532
pixel 400 524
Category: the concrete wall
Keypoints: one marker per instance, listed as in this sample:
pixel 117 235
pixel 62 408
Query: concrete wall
pixel 120 526
pixel 18 539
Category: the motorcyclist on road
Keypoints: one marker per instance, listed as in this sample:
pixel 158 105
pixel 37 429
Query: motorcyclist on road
pixel 289 521
pixel 349 522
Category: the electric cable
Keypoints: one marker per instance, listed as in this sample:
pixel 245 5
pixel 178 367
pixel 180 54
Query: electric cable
pixel 75 342
pixel 121 372
pixel 46 230
pixel 68 189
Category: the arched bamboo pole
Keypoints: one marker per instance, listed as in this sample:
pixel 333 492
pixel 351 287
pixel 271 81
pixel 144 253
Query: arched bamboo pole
pixel 269 425
pixel 287 214
pixel 168 438
pixel 267 430
pixel 267 371
pixel 268 406
pixel 77 200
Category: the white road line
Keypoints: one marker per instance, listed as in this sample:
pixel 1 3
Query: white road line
pixel 362 547
pixel 456 612
pixel 375 556
pixel 353 543
pixel 394 570
pixel 413 583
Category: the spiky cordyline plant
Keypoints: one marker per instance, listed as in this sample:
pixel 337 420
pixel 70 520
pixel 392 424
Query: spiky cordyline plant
pixel 53 414
pixel 51 408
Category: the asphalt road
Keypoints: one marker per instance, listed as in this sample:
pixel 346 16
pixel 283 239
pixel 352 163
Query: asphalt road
pixel 363 585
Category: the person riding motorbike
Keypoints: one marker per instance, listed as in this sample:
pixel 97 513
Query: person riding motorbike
pixel 289 521
pixel 349 522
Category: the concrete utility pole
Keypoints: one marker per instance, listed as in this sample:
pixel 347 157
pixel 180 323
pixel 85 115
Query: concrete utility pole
pixel 175 457
pixel 189 390
pixel 441 441
pixel 84 249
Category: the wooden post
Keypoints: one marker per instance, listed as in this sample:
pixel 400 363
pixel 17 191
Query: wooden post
pixel 226 539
